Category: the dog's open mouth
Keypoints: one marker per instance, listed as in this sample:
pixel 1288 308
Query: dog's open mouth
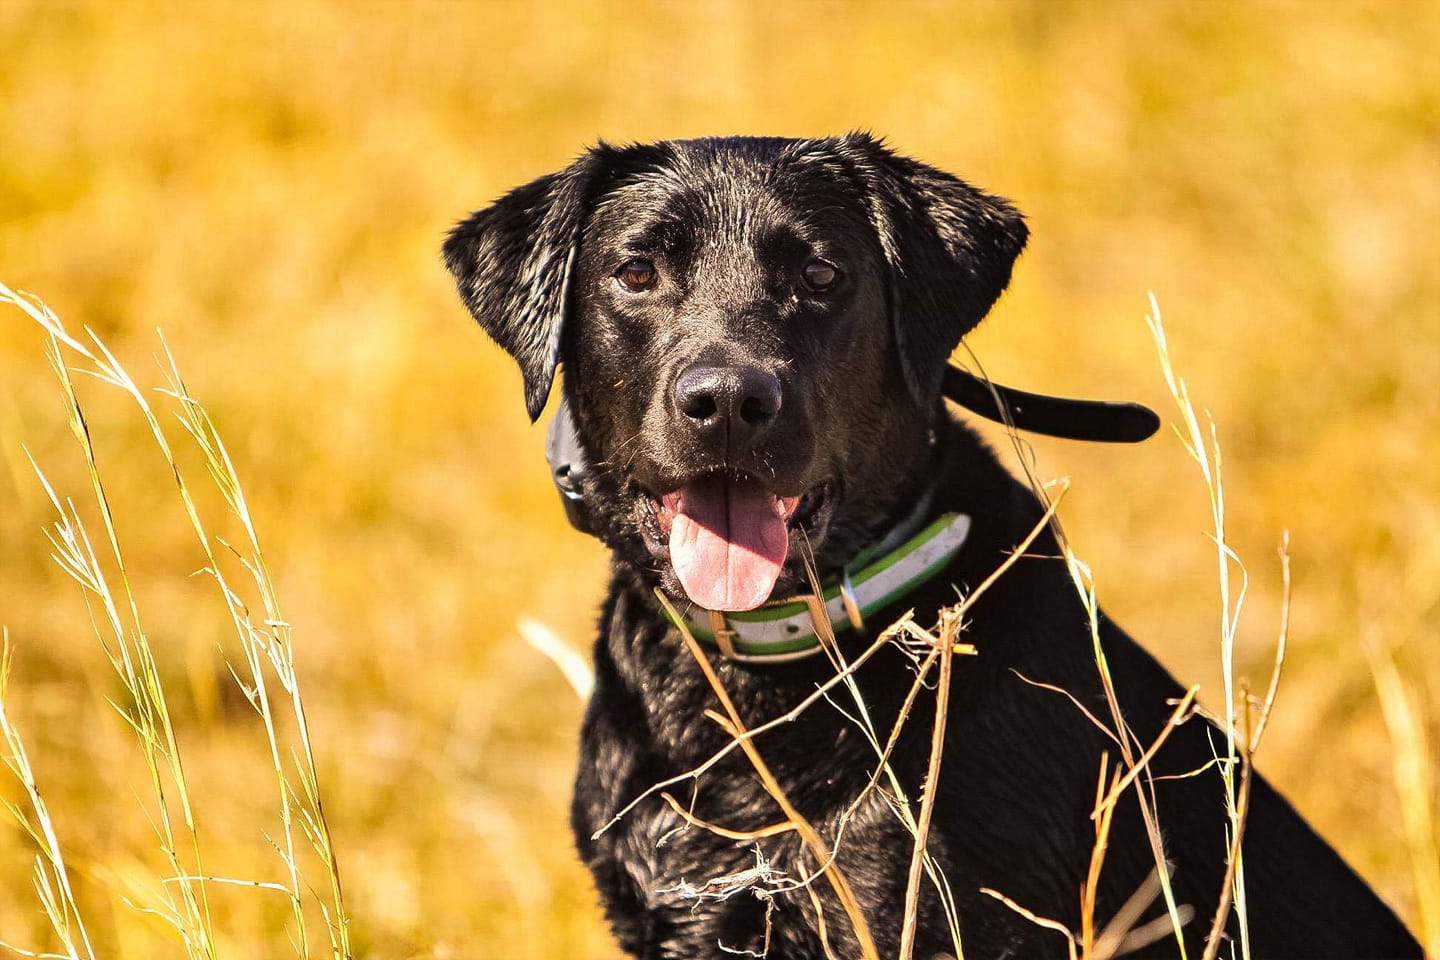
pixel 728 535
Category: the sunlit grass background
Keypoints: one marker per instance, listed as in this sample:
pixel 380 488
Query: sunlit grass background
pixel 269 183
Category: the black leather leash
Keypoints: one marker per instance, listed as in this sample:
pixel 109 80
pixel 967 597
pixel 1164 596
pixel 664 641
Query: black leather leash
pixel 1098 421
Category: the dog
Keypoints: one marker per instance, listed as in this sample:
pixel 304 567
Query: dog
pixel 754 335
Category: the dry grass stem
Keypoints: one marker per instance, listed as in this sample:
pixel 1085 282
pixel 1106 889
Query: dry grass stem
pixel 950 623
pixel 949 628
pixel 774 830
pixel 1230 884
pixel 807 832
pixel 1038 920
pixel 1084 585
pixel 1204 448
pixel 1179 715
pixel 1281 643
pixel 1088 893
pixel 820 927
pixel 572 665
pixel 1414 778
pixel 1084 710
pixel 266 646
pixel 1121 935
pixel 1125 738
pixel 51 876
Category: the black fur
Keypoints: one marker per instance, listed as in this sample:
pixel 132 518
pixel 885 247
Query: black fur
pixel 728 224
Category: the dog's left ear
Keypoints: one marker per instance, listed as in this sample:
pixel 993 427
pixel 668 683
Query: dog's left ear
pixel 512 262
pixel 949 247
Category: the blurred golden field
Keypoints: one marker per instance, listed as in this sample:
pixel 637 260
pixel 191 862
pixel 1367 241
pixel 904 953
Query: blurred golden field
pixel 269 183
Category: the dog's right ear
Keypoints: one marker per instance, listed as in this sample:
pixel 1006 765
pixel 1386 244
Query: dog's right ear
pixel 512 263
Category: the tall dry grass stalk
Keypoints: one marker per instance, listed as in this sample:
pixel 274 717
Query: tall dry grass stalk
pixel 52 877
pixel 1244 720
pixel 1414 776
pixel 1243 723
pixel 266 656
pixel 1206 454
pixel 1116 730
pixel 1246 716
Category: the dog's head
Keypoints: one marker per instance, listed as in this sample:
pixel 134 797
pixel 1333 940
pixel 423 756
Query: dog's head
pixel 753 332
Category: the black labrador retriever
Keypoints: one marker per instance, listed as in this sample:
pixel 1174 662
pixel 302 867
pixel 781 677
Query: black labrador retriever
pixel 755 334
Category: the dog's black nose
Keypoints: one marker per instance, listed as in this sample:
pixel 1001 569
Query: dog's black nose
pixel 738 402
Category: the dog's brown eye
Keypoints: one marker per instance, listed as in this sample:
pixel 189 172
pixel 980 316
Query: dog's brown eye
pixel 637 274
pixel 820 275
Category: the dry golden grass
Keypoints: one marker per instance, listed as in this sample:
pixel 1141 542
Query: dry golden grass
pixel 269 183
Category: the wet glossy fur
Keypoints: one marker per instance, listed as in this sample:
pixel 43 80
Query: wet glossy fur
pixel 924 255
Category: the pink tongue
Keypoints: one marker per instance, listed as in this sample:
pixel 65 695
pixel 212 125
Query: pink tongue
pixel 726 543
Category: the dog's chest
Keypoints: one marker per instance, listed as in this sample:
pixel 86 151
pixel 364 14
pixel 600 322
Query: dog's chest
pixel 664 878
pixel 678 884
pixel 716 867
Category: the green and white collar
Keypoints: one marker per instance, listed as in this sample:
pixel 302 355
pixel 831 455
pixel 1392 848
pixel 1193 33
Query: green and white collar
pixel 782 630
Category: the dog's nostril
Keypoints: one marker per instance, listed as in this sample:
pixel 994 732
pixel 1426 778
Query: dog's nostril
pixel 756 411
pixel 761 397
pixel 699 406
